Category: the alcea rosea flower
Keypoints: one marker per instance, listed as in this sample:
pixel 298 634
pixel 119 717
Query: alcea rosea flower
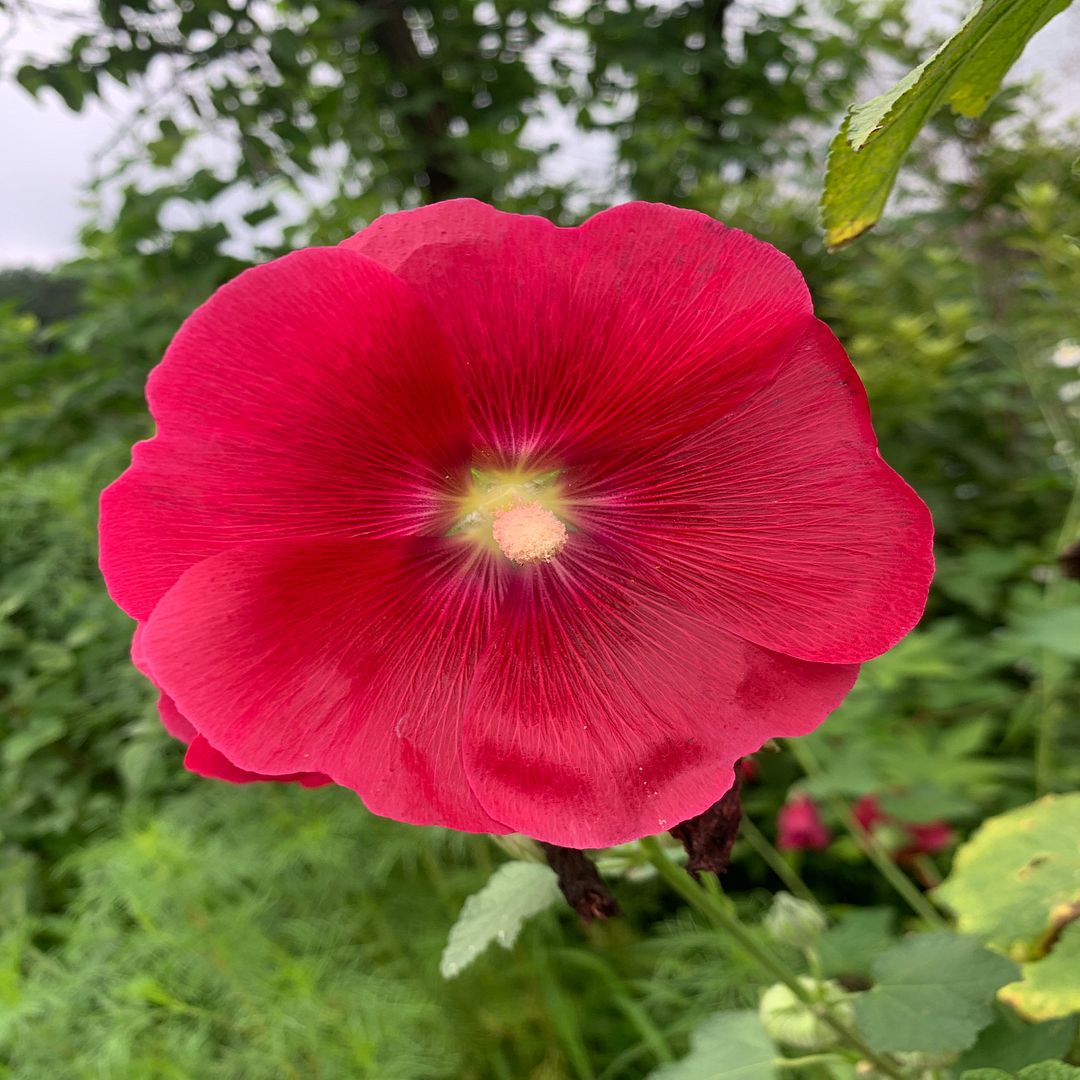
pixel 799 826
pixel 918 838
pixel 507 527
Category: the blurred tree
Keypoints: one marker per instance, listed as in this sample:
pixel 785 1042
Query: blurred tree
pixel 357 105
pixel 707 90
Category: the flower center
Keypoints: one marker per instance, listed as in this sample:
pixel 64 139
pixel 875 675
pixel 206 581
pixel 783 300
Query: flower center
pixel 528 533
pixel 520 513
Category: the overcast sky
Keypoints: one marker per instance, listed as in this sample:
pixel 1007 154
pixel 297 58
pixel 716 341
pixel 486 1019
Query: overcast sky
pixel 50 152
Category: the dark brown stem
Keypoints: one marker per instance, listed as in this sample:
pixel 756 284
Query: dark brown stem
pixel 709 837
pixel 581 884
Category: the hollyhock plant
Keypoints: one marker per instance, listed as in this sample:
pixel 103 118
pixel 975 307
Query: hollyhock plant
pixel 799 826
pixel 510 527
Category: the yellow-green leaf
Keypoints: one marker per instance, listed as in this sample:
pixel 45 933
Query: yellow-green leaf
pixel 1016 882
pixel 965 72
pixel 1050 987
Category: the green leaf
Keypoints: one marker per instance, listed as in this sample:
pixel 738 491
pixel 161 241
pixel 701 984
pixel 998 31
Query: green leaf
pixel 167 145
pixel 1017 879
pixel 1050 987
pixel 932 993
pixel 965 72
pixel 261 214
pixel 850 947
pixel 1011 1042
pixel 727 1046
pixel 514 893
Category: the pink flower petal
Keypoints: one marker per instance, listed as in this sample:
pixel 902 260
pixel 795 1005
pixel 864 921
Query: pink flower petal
pixel 203 759
pixel 312 396
pixel 604 711
pixel 780 522
pixel 176 724
pixel 349 658
pixel 644 323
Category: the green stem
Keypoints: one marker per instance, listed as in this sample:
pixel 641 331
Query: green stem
pixel 562 1016
pixel 806 1059
pixel 901 883
pixel 716 911
pixel 650 1034
pixel 776 862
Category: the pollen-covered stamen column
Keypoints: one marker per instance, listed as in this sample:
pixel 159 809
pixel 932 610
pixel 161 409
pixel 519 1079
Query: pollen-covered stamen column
pixel 528 533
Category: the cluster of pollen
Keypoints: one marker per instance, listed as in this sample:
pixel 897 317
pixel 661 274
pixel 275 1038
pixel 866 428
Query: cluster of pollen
pixel 528 533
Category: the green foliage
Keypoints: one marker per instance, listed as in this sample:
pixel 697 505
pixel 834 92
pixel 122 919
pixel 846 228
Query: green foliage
pixel 178 960
pixel 515 893
pixel 933 992
pixel 728 1046
pixel 965 73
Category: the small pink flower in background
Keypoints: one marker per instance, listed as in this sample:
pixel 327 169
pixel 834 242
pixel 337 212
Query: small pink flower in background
pixel 924 838
pixel 799 826
pixel 927 839
pixel 507 527
pixel 866 811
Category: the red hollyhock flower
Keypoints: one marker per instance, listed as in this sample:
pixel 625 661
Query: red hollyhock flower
pixel 924 838
pixel 509 527
pixel 799 826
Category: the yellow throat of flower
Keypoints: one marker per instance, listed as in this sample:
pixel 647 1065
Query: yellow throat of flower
pixel 519 513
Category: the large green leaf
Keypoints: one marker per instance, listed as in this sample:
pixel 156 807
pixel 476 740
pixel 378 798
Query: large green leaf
pixel 849 947
pixel 514 893
pixel 1017 881
pixel 934 993
pixel 1056 629
pixel 965 72
pixel 1012 1043
pixel 727 1046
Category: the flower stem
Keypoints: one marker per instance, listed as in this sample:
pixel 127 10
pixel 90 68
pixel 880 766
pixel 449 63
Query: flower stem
pixel 806 1059
pixel 901 883
pixel 714 908
pixel 776 862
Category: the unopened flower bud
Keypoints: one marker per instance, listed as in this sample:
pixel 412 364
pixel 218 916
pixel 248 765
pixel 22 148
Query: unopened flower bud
pixel 793 1023
pixel 794 922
